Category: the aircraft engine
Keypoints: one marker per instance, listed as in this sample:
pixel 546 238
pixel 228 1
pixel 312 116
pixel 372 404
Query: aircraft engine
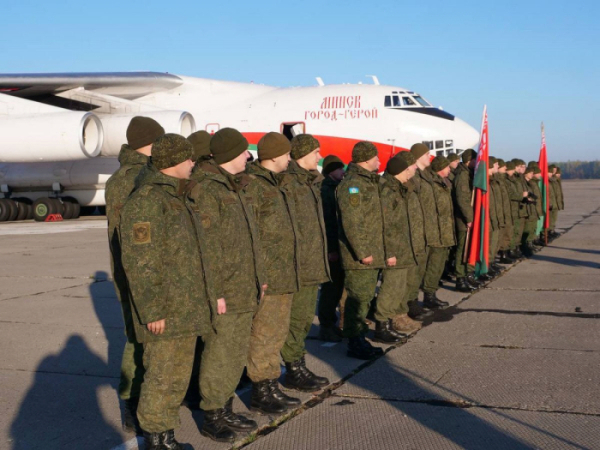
pixel 115 127
pixel 57 136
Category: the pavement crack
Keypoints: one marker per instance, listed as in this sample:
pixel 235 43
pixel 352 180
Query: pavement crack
pixel 58 372
pixel 35 294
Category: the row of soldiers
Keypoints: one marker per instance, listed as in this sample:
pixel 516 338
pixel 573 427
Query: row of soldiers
pixel 204 243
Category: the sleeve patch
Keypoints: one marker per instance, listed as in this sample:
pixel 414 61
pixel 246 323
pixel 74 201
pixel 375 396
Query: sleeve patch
pixel 354 200
pixel 141 233
pixel 353 190
pixel 205 220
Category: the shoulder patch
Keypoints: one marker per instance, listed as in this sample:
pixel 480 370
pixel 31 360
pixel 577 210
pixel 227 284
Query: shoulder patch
pixel 353 190
pixel 354 200
pixel 141 233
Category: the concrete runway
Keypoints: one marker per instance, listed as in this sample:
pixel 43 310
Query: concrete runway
pixel 514 366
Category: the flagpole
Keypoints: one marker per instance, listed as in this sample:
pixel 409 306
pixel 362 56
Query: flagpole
pixel 545 229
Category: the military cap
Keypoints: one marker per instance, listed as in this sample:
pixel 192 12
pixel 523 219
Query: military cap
pixel 468 155
pixel 227 144
pixel 551 167
pixel 529 170
pixel 536 170
pixel 272 145
pixel 453 157
pixel 501 163
pixel 143 131
pixel 510 165
pixel 331 163
pixel 302 145
pixel 400 162
pixel 439 163
pixel 558 170
pixel 522 163
pixel 419 150
pixel 532 164
pixel 169 150
pixel 363 151
pixel 201 142
pixel 492 161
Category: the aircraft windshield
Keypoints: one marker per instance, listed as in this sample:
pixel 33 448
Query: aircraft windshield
pixel 421 100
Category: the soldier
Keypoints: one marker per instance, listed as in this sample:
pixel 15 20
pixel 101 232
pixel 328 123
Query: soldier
pixel 279 240
pixel 404 242
pixel 533 212
pixel 520 185
pixel 454 161
pixel 497 220
pixel 463 219
pixel 331 291
pixel 360 221
pixel 515 197
pixel 233 261
pixel 436 261
pixel 133 157
pixel 561 197
pixel 301 184
pixel 165 275
pixel 507 231
pixel 554 199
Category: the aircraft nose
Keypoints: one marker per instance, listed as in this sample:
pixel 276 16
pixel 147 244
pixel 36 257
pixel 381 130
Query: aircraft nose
pixel 465 135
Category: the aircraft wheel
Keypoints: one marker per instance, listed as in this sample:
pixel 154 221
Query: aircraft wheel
pixel 43 207
pixel 75 206
pixel 14 209
pixel 68 210
pixel 4 210
pixel 60 207
pixel 24 208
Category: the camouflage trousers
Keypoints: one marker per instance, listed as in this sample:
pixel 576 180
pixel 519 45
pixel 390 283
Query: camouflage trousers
pixel 360 285
pixel 506 236
pixel 416 274
pixel 304 304
pixel 168 366
pixel 493 245
pixel 132 363
pixel 436 262
pixel 462 269
pixel 270 327
pixel 224 358
pixel 553 218
pixel 393 294
pixel 529 231
pixel 332 293
pixel 518 228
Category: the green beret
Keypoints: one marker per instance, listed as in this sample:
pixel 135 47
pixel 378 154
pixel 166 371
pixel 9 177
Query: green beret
pixel 169 150
pixel 453 157
pixel 227 144
pixel 143 131
pixel 439 163
pixel 272 145
pixel 363 151
pixel 400 162
pixel 510 165
pixel 419 150
pixel 501 163
pixel 201 142
pixel 468 155
pixel 302 145
pixel 331 163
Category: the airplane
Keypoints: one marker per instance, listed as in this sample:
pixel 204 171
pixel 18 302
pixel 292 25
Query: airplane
pixel 61 132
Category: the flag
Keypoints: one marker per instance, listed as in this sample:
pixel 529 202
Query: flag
pixel 544 187
pixel 480 232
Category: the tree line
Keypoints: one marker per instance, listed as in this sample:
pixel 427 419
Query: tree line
pixel 579 169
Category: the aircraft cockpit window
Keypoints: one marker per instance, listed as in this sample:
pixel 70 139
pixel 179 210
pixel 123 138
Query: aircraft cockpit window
pixel 421 100
pixel 388 101
pixel 408 101
pixel 397 101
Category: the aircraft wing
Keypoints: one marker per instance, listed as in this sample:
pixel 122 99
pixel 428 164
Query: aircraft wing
pixel 127 85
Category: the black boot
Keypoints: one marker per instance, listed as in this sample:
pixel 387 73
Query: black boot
pixel 263 401
pixel 161 441
pixel 131 423
pixel 237 422
pixel 321 381
pixel 514 255
pixel 462 285
pixel 277 394
pixel 360 348
pixel 474 282
pixel 415 311
pixel 497 267
pixel 296 378
pixel 505 258
pixel 215 426
pixel 384 334
pixel 432 302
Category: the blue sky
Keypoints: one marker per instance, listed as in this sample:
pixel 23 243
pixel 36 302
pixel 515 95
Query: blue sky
pixel 527 60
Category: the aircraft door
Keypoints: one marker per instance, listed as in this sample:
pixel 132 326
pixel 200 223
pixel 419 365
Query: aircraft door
pixel 291 129
pixel 212 128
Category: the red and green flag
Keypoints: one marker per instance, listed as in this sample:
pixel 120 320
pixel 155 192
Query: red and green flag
pixel 544 187
pixel 480 229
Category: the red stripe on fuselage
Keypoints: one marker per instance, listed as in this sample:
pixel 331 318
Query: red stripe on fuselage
pixel 341 147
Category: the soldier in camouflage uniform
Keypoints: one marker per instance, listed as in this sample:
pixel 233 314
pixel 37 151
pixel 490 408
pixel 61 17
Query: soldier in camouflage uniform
pixel 360 226
pixel 497 219
pixel 520 186
pixel 133 157
pixel 234 261
pixel 165 274
pixel 561 197
pixel 507 231
pixel 404 240
pixel 554 198
pixel 279 240
pixel 515 198
pixel 332 292
pixel 301 186
pixel 533 213
pixel 454 161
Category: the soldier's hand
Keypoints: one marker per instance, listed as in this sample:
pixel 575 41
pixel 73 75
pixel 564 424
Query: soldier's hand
pixel 333 256
pixel 367 261
pixel 525 194
pixel 263 290
pixel 157 327
pixel 391 262
pixel 469 225
pixel 221 306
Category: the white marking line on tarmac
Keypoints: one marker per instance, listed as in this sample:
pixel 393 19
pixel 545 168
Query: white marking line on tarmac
pixel 50 228
pixel 329 344
pixel 131 444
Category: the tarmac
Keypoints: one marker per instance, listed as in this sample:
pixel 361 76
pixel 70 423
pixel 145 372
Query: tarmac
pixel 512 366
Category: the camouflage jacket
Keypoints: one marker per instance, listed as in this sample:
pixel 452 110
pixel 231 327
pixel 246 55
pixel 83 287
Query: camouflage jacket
pixel 506 209
pixel 328 187
pixel 535 209
pixel 302 191
pixel 118 188
pixel 397 233
pixel 162 260
pixel 360 219
pixel 495 204
pixel 553 193
pixel 462 195
pixel 278 233
pixel 451 176
pixel 423 183
pixel 442 192
pixel 515 196
pixel 521 186
pixel 232 252
pixel 561 198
